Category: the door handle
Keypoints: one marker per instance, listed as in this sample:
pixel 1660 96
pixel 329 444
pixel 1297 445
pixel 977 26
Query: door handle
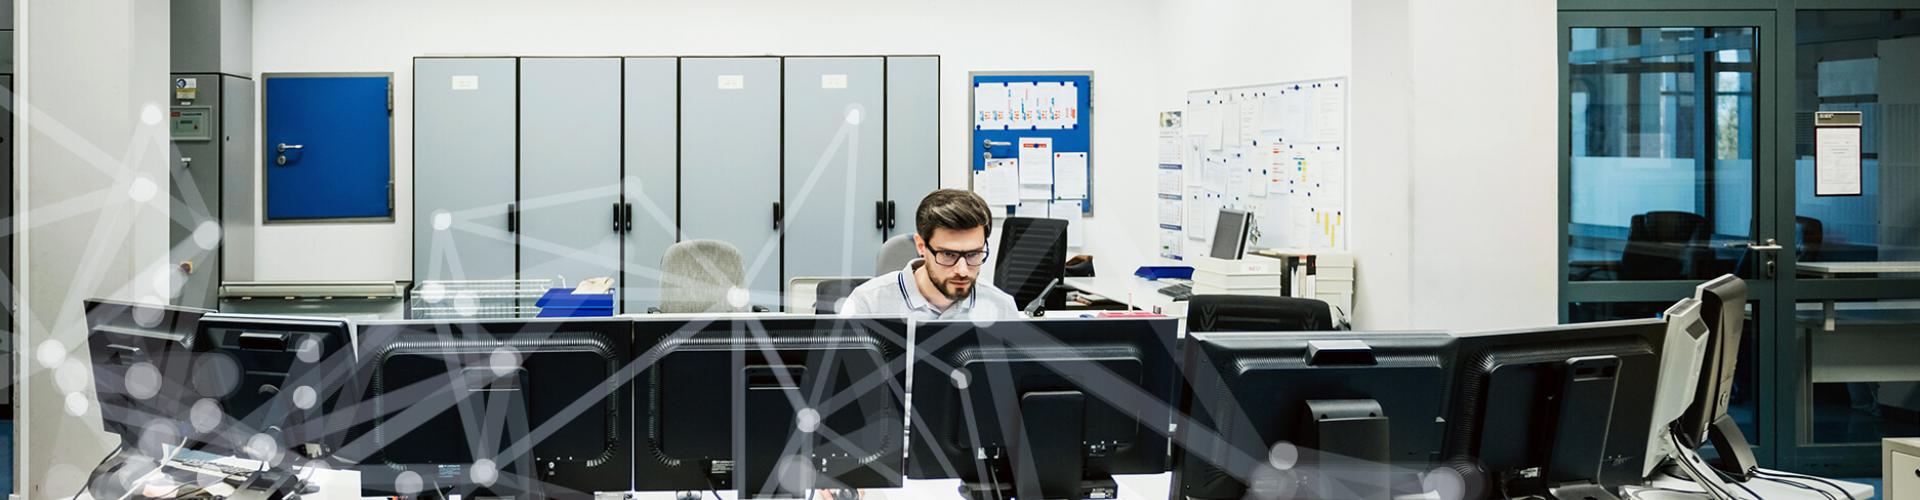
pixel 628 217
pixel 616 217
pixel 777 215
pixel 280 157
pixel 513 218
pixel 880 215
pixel 1771 245
pixel 892 218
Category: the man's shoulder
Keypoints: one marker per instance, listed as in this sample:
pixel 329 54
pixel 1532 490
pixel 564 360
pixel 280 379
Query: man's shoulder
pixel 888 281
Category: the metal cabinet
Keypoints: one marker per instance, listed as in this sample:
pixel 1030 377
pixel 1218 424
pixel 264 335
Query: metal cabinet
pixel 913 137
pixel 834 133
pixel 464 169
pixel 570 207
pixel 211 130
pixel 730 163
pixel 651 183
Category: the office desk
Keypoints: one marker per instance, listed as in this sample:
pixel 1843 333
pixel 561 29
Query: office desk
pixel 1852 269
pixel 1135 291
pixel 334 484
pixel 1764 488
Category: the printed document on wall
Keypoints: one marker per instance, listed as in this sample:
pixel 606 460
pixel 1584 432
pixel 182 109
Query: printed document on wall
pixel 1170 214
pixel 1070 176
pixel 999 183
pixel 990 106
pixel 1329 114
pixel 1071 211
pixel 1020 105
pixel 1837 161
pixel 1170 180
pixel 1036 160
pixel 1203 211
pixel 1036 209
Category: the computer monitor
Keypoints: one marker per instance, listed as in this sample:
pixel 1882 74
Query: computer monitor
pixel 1032 258
pixel 1723 307
pixel 531 408
pixel 1230 234
pixel 268 387
pixel 1557 411
pixel 1681 353
pixel 771 406
pixel 1042 408
pixel 135 349
pixel 1310 414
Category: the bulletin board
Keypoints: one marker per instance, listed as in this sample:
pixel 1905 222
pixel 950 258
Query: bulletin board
pixel 1277 151
pixel 1031 143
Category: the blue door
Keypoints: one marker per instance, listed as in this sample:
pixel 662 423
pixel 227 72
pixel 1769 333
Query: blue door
pixel 328 147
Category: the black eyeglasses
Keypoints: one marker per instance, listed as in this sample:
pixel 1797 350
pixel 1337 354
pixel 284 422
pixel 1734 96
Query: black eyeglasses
pixel 951 258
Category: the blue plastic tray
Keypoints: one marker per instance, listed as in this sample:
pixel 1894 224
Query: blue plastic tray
pixel 563 303
pixel 1160 272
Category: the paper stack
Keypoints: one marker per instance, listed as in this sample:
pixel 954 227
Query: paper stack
pixel 1324 275
pixel 1213 276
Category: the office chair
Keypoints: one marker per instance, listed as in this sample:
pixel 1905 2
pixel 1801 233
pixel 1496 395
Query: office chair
pixel 1254 313
pixel 696 275
pixel 828 294
pixel 895 254
pixel 1032 259
pixel 1665 245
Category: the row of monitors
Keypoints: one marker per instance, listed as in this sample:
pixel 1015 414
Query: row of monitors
pixel 776 406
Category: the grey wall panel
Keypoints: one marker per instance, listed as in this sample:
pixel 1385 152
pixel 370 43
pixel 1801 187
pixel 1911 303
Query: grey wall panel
pixel 6 238
pixel 834 129
pixel 464 173
pixel 569 167
pixel 730 162
pixel 238 207
pixel 913 135
pixel 194 196
pixel 652 158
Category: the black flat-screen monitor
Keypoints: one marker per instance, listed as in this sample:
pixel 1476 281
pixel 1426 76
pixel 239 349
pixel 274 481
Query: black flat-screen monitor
pixel 135 350
pixel 1230 234
pixel 267 387
pixel 1556 410
pixel 1311 414
pixel 534 408
pixel 1724 309
pixel 771 406
pixel 1042 408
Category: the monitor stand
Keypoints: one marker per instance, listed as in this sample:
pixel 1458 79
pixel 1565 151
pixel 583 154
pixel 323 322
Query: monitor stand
pixel 1579 445
pixel 1736 456
pixel 1047 457
pixel 1350 448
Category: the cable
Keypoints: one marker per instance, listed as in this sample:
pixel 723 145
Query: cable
pixel 1831 484
pixel 714 489
pixel 88 482
pixel 1803 486
pixel 1729 478
pixel 1700 478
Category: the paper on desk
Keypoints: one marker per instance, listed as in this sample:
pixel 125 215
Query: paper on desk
pixel 1329 114
pixel 999 183
pixel 1071 211
pixel 1036 160
pixel 1070 176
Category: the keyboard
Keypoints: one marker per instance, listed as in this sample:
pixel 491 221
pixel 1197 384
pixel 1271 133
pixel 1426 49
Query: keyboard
pixel 1178 292
pixel 211 468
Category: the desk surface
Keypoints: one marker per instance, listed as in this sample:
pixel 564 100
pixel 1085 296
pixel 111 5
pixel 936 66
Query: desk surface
pixel 1141 293
pixel 1859 267
pixel 1763 487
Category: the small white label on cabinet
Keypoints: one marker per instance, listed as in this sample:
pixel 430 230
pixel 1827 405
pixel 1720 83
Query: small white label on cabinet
pixel 733 82
pixel 466 82
pixel 833 81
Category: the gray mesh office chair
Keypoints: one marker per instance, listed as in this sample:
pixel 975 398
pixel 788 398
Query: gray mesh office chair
pixel 895 254
pixel 696 275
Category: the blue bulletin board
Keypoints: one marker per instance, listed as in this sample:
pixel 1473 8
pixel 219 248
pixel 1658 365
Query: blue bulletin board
pixel 1035 110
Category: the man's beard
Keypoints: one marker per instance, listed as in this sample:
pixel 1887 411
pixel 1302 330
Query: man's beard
pixel 950 292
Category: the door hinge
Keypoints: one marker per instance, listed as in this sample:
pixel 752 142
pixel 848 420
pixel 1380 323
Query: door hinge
pixel 389 197
pixel 389 97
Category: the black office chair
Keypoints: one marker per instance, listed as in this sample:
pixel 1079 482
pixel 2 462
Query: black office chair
pixel 1665 245
pixel 828 294
pixel 1253 313
pixel 1032 259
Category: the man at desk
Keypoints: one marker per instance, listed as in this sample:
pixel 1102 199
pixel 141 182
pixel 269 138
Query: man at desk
pixel 951 234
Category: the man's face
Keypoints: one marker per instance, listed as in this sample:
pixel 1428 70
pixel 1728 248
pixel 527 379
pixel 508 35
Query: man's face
pixel 947 257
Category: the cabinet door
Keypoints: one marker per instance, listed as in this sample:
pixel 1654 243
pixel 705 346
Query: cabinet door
pixel 730 162
pixel 652 175
pixel 913 136
pixel 193 193
pixel 835 126
pixel 569 168
pixel 463 168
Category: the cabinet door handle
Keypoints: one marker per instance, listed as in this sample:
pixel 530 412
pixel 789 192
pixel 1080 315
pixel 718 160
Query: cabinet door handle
pixel 627 217
pixel 892 218
pixel 513 218
pixel 616 217
pixel 880 215
pixel 777 215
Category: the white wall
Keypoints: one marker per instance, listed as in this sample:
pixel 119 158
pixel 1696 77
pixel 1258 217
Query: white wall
pixel 93 205
pixel 1107 37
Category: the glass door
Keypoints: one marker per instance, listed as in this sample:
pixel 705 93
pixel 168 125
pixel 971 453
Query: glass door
pixel 1662 175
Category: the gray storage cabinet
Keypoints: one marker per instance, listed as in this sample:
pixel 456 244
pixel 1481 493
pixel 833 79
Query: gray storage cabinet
pixel 730 163
pixel 212 136
pixel 835 125
pixel 651 181
pixel 569 168
pixel 464 170
pixel 913 136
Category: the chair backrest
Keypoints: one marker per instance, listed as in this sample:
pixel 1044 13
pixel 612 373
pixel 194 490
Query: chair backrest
pixel 895 254
pixel 1664 245
pixel 827 296
pixel 1255 313
pixel 1033 252
pixel 697 275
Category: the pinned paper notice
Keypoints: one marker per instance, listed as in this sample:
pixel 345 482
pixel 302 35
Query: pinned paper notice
pixel 1836 162
pixel 1070 176
pixel 999 183
pixel 1072 211
pixel 1036 160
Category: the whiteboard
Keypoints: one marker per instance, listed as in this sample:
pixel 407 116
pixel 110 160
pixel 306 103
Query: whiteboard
pixel 1275 150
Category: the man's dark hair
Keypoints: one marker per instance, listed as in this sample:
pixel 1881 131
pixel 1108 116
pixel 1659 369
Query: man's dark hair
pixel 954 209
